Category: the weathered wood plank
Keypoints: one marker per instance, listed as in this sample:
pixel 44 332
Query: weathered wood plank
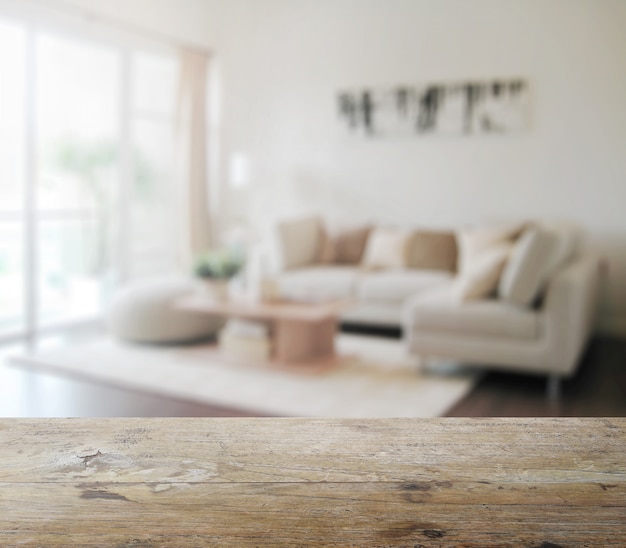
pixel 273 482
pixel 299 513
pixel 301 450
pixel 432 493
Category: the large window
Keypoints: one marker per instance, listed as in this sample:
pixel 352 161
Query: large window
pixel 77 142
pixel 86 172
pixel 12 176
pixel 152 214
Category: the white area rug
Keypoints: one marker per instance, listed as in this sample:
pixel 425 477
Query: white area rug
pixel 373 377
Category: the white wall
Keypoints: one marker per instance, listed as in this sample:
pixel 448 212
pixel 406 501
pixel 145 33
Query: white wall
pixel 281 63
pixel 281 83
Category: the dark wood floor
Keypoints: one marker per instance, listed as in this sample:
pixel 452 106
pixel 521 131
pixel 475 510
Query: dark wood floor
pixel 599 389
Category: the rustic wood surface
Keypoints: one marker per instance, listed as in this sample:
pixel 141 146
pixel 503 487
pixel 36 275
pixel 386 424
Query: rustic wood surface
pixel 301 482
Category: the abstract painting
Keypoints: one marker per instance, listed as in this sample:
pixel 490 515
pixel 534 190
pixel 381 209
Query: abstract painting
pixel 465 108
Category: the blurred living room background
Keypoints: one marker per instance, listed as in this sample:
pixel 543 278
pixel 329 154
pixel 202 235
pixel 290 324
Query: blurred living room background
pixel 126 124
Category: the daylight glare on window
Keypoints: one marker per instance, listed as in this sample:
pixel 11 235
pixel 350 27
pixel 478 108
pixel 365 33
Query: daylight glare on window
pixel 101 149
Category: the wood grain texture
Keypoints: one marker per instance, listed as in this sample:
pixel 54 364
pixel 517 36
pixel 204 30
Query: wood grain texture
pixel 300 482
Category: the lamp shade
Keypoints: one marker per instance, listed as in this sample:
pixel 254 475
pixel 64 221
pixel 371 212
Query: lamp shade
pixel 239 170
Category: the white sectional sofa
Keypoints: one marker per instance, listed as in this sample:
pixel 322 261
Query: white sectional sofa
pixel 308 269
pixel 518 296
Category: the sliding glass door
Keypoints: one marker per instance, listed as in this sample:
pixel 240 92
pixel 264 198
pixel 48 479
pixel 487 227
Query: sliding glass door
pixel 78 150
pixel 86 173
pixel 152 199
pixel 12 177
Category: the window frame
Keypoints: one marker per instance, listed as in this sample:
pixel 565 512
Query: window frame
pixel 36 22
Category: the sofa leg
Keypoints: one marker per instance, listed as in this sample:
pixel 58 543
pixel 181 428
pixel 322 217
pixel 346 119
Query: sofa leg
pixel 553 387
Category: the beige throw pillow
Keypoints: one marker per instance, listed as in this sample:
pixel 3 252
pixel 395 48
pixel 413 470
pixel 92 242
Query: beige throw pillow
pixel 432 250
pixel 481 274
pixel 343 245
pixel 326 247
pixel 386 248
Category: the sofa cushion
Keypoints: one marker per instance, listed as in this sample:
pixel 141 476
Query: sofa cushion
pixel 537 254
pixel 386 248
pixel 438 311
pixel 432 250
pixel 343 245
pixel 298 241
pixel 398 285
pixel 473 241
pixel 569 242
pixel 481 273
pixel 527 268
pixel 318 282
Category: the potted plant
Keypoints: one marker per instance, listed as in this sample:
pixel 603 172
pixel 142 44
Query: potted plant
pixel 215 268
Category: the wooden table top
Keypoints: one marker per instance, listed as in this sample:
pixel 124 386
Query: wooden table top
pixel 261 310
pixel 319 482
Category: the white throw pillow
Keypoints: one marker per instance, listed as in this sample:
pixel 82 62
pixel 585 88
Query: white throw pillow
pixel 299 241
pixel 569 241
pixel 529 266
pixel 386 248
pixel 471 242
pixel 481 273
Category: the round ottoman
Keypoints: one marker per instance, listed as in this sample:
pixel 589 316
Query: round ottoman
pixel 144 312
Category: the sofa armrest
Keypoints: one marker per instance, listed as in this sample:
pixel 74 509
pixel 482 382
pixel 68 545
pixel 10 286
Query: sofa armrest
pixel 569 311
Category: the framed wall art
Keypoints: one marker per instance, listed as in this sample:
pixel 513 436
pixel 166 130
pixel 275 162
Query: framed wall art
pixel 463 108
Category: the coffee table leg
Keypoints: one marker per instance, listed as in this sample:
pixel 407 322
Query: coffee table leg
pixel 296 341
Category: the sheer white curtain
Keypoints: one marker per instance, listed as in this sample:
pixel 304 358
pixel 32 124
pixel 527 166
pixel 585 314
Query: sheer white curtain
pixel 195 231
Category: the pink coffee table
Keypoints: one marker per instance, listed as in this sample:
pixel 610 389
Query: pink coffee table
pixel 300 332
